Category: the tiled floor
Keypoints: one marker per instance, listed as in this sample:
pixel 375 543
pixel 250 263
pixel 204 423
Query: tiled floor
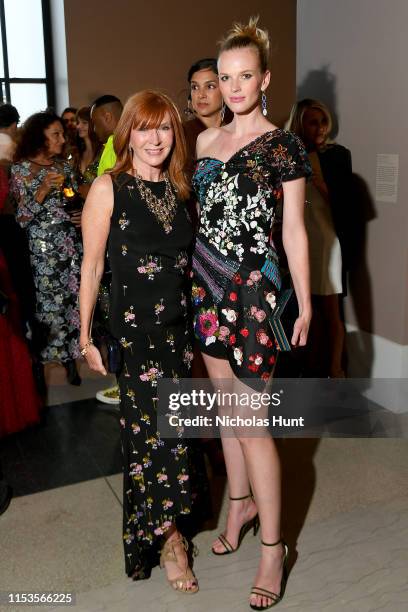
pixel 345 517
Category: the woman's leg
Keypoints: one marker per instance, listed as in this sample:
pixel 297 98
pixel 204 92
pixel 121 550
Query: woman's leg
pixel 263 468
pixel 239 511
pixel 252 462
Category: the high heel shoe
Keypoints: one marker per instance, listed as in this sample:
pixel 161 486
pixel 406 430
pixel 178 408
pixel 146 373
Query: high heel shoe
pixel 269 594
pixel 168 553
pixel 253 522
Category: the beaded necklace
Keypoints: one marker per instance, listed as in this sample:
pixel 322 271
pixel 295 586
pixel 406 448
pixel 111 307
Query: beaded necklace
pixel 164 209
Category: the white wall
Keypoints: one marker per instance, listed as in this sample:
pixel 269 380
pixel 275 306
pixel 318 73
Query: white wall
pixel 60 54
pixel 352 54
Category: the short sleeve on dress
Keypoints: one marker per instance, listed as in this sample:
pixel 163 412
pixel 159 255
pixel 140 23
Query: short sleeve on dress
pixel 295 161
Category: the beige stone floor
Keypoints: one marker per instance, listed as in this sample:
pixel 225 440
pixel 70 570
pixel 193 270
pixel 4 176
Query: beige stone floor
pixel 345 519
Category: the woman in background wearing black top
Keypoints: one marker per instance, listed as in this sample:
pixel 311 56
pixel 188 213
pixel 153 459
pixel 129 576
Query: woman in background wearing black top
pixel 329 194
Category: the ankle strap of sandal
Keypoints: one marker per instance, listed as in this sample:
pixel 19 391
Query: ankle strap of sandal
pixel 274 543
pixel 239 498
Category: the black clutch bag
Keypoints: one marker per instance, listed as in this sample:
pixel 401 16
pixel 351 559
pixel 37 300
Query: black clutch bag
pixel 283 318
pixel 111 351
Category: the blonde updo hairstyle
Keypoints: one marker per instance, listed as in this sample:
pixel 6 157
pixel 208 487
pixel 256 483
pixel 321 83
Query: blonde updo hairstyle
pixel 248 35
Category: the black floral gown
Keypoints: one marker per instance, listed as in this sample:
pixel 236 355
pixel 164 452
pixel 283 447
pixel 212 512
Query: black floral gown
pixel 235 264
pixel 150 316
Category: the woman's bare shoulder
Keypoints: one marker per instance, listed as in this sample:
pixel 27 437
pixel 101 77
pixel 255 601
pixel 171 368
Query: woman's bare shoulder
pixel 206 140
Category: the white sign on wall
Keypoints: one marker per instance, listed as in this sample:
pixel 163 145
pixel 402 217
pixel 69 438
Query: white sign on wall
pixel 386 184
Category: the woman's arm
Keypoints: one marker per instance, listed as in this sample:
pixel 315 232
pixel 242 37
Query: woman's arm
pixel 95 230
pixel 294 239
pixel 29 201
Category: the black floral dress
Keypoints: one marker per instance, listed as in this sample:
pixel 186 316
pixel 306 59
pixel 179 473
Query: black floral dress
pixel 236 274
pixel 55 254
pixel 150 316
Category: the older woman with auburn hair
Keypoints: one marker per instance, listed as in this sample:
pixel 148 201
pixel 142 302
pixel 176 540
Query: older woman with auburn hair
pixel 137 208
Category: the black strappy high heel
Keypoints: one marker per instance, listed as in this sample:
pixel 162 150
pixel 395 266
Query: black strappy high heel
pixel 252 523
pixel 269 594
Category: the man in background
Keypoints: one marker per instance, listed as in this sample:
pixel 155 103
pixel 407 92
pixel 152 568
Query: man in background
pixel 105 115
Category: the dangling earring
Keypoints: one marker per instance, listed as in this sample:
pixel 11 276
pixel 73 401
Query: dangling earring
pixel 264 101
pixel 188 111
pixel 130 151
pixel 222 112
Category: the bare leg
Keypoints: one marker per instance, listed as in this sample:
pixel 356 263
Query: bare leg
pixel 263 466
pixel 253 462
pixel 239 512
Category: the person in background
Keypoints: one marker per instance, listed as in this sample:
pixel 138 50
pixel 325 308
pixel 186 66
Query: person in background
pixel 19 400
pixel 329 195
pixel 37 181
pixel 205 103
pixel 89 151
pixel 105 114
pixel 13 238
pixel 9 119
pixel 68 117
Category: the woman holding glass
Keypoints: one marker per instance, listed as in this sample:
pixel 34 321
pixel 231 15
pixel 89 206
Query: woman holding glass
pixel 37 181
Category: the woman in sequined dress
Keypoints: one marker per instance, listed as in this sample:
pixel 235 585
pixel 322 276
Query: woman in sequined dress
pixel 55 245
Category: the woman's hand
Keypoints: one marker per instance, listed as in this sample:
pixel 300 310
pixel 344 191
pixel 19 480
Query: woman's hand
pixel 76 218
pixel 300 330
pixel 52 180
pixel 94 360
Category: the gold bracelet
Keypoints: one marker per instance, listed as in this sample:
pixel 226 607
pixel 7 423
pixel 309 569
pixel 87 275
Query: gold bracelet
pixel 85 348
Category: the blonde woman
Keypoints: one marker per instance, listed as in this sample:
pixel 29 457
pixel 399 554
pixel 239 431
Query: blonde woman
pixel 326 218
pixel 243 170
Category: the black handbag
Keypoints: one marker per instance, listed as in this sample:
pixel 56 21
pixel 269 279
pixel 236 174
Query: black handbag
pixel 283 318
pixel 111 351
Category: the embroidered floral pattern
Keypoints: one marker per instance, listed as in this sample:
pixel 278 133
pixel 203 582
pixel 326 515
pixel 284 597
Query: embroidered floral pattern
pixel 150 266
pixel 235 269
pixel 150 293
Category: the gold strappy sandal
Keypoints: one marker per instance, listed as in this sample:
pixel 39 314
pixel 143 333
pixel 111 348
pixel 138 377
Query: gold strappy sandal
pixel 168 553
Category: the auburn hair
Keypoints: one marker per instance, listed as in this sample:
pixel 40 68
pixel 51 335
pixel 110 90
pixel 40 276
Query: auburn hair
pixel 146 110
